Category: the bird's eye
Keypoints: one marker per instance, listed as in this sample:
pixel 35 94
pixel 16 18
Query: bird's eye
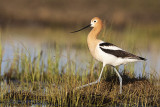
pixel 95 21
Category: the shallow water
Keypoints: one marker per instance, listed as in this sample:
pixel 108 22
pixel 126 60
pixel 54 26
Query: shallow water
pixel 13 40
pixel 17 41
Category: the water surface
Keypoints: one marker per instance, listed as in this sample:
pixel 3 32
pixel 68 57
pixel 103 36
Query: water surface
pixel 34 40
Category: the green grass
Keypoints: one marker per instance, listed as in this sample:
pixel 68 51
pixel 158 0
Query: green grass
pixel 35 82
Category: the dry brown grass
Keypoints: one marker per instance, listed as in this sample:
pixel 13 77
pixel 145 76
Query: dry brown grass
pixel 138 93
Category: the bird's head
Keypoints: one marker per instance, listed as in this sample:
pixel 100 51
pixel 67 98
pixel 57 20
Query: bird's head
pixel 95 22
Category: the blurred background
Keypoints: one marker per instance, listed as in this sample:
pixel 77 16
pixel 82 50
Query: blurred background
pixel 72 12
pixel 38 25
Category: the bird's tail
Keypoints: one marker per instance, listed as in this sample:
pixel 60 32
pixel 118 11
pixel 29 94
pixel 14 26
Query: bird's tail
pixel 141 58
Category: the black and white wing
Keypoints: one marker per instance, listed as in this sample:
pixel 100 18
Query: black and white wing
pixel 117 52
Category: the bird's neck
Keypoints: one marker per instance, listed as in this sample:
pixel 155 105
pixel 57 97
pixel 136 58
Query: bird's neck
pixel 92 38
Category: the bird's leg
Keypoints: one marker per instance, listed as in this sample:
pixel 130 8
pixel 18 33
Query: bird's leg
pixel 120 79
pixel 92 82
pixel 100 74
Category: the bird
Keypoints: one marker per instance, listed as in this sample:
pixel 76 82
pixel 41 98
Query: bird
pixel 107 53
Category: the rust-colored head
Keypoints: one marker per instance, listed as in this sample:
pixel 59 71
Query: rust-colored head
pixel 96 22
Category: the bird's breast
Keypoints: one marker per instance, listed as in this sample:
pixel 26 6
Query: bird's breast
pixel 93 48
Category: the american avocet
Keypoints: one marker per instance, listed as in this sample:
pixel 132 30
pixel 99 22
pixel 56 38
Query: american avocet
pixel 105 52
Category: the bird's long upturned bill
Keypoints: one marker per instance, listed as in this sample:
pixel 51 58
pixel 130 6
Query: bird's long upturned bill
pixel 82 28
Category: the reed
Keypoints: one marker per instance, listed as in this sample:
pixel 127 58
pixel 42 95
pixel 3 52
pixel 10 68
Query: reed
pixel 43 80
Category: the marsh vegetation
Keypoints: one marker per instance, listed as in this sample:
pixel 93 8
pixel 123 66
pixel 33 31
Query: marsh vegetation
pixel 42 63
pixel 47 72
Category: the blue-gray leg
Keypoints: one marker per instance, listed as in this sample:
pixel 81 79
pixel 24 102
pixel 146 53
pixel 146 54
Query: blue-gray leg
pixel 93 82
pixel 120 79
